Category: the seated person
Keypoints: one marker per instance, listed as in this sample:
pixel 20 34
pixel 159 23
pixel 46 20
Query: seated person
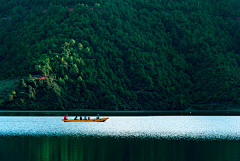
pixel 75 118
pixel 85 118
pixel 98 116
pixel 88 118
pixel 80 117
pixel 65 117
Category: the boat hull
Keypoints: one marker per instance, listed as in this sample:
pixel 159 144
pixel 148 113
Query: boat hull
pixel 92 120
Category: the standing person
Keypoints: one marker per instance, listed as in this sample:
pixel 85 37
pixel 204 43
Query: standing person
pixel 98 116
pixel 65 117
pixel 80 117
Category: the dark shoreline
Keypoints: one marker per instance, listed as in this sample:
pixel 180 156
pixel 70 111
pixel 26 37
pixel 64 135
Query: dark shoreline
pixel 123 113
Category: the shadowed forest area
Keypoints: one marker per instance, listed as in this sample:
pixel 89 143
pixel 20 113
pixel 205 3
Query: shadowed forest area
pixel 119 55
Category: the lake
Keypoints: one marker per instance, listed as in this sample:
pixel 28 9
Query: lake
pixel 167 138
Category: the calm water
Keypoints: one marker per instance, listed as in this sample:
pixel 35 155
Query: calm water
pixel 121 138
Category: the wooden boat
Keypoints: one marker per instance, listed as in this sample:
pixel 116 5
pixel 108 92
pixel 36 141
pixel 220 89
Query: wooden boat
pixel 91 120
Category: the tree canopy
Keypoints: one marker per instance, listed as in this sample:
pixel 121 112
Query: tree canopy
pixel 120 55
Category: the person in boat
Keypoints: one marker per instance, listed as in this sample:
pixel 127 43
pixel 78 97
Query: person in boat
pixel 65 117
pixel 88 118
pixel 85 118
pixel 75 118
pixel 98 116
pixel 80 117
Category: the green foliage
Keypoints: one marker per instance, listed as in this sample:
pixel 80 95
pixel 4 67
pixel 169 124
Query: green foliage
pixel 145 55
pixel 1 101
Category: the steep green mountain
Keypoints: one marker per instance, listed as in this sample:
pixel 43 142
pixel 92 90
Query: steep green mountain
pixel 120 55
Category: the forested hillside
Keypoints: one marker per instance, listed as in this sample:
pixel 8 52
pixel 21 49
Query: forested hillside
pixel 120 54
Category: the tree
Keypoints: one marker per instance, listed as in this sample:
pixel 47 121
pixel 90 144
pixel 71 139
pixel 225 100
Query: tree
pixel 74 70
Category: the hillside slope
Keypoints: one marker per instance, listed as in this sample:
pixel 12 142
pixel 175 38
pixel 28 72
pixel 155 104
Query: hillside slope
pixel 121 55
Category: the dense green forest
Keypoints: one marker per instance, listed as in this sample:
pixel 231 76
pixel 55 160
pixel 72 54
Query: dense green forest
pixel 120 54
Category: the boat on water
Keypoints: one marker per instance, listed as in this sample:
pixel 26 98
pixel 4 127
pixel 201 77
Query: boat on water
pixel 91 120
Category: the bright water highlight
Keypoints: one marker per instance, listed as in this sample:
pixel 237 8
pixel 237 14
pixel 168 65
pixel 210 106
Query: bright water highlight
pixel 175 138
pixel 157 127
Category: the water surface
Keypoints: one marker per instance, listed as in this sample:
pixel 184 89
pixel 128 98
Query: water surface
pixel 121 138
pixel 158 127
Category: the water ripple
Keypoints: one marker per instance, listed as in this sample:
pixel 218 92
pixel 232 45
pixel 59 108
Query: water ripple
pixel 158 127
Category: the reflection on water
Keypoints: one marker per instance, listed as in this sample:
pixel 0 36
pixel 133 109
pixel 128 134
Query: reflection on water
pixel 102 149
pixel 160 127
pixel 162 138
